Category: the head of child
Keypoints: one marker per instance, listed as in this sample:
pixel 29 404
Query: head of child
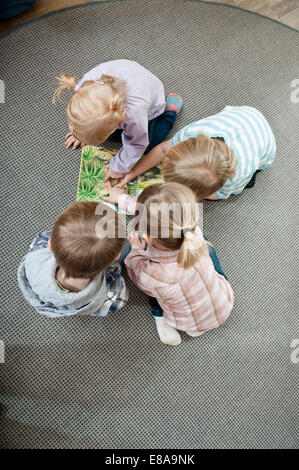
pixel 168 217
pixel 201 163
pixel 86 238
pixel 95 109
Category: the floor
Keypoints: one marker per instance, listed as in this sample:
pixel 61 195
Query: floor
pixel 285 11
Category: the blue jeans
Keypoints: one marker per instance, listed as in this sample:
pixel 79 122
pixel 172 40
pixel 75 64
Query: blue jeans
pixel 156 310
pixel 158 129
pixel 124 253
pixel 252 181
pixel 215 259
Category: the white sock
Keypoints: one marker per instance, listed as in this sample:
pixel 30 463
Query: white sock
pixel 195 333
pixel 167 334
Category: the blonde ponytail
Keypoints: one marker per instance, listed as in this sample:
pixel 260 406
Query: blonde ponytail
pixel 65 81
pixel 117 107
pixel 170 217
pixel 192 249
pixel 97 108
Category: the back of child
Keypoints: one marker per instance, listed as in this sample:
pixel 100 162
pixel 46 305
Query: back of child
pixel 73 269
pixel 220 155
pixel 177 268
pixel 216 156
pixel 119 94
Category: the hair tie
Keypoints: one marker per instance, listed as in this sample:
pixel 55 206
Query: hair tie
pixel 76 88
pixel 110 107
pixel 100 82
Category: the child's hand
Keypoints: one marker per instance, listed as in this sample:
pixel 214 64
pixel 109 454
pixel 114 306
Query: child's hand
pixel 110 174
pixel 136 241
pixel 127 178
pixel 114 193
pixel 70 140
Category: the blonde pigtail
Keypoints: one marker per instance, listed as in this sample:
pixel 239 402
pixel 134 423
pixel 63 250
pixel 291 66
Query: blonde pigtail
pixel 65 81
pixel 96 110
pixel 192 249
pixel 117 107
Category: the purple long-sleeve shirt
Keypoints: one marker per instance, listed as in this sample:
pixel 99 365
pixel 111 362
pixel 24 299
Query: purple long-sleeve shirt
pixel 145 100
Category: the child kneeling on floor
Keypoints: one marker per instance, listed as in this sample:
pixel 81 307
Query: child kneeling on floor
pixel 119 99
pixel 74 269
pixel 173 263
pixel 217 156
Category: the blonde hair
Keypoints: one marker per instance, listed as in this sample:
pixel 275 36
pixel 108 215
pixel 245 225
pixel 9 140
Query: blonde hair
pixel 96 109
pixel 202 163
pixel 158 201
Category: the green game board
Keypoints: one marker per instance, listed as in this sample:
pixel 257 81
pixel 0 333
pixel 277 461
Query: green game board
pixel 91 185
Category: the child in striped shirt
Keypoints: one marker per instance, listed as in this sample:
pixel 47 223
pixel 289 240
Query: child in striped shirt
pixel 171 261
pixel 217 156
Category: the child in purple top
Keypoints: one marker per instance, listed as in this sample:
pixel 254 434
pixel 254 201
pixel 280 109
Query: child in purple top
pixel 120 94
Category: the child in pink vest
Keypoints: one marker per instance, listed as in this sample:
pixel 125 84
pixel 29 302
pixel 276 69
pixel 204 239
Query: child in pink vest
pixel 172 263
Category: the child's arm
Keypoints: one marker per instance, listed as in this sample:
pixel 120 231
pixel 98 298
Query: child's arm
pixel 134 139
pixel 153 158
pixel 117 291
pixel 140 271
pixel 111 174
pixel 119 196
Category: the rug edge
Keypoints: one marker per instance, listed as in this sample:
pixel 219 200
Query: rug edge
pixel 82 5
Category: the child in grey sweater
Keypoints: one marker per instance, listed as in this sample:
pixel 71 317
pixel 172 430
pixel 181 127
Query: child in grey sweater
pixel 74 269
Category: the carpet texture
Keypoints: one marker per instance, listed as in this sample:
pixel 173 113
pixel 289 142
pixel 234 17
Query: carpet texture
pixel 109 383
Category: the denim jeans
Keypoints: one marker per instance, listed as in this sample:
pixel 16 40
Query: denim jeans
pixel 158 129
pixel 252 181
pixel 124 253
pixel 215 259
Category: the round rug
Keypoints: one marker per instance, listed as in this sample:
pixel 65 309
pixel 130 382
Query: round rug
pixel 109 383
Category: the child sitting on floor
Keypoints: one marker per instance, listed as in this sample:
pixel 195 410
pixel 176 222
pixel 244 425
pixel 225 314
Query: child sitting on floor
pixel 173 263
pixel 119 95
pixel 73 270
pixel 216 156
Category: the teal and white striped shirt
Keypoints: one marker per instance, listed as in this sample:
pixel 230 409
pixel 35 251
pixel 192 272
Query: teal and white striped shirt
pixel 246 131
